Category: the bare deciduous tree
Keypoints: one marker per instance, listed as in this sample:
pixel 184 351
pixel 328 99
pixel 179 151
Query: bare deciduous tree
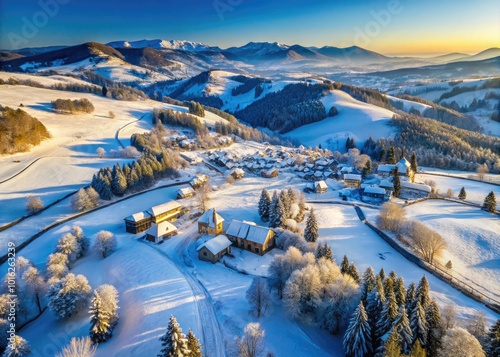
pixel 481 171
pixel 258 296
pixel 392 216
pixel 79 347
pixel 252 342
pixel 427 242
pixel 203 196
pixel 100 151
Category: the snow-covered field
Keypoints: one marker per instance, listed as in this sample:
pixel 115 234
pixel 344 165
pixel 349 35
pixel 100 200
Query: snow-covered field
pixel 356 120
pixel 472 240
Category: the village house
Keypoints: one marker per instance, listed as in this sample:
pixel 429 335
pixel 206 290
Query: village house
pixel 319 186
pixel 211 223
pixel 273 172
pixel 213 249
pixel 385 170
pixel 415 187
pixel 198 181
pixel 374 191
pixel 185 192
pixel 352 180
pixel 158 232
pixel 249 236
pixel 166 211
pixel 138 222
pixel 237 173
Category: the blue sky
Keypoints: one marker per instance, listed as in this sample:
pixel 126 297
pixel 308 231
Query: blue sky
pixel 392 26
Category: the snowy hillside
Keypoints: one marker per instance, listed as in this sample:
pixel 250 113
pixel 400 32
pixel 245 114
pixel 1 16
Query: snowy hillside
pixel 356 120
pixel 162 44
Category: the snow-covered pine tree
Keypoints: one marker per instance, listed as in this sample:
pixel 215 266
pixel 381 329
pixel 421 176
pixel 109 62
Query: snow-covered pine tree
pixel 311 233
pixel 174 342
pixel 490 202
pixel 411 295
pixel 18 348
pixel 396 183
pixel 99 320
pixel 320 251
pixel 423 292
pixel 493 340
pixel 413 162
pixel 388 315
pixel 353 272
pixel 327 252
pixel 264 205
pixel 462 195
pixel 280 215
pixel 302 208
pixel 368 283
pixel 272 210
pixel 109 298
pixel 403 329
pixel 381 274
pixel 391 155
pixel 344 265
pixel 291 196
pixel 400 291
pixel 375 304
pixel 391 347
pixel 119 181
pixel 357 339
pixel 418 324
pixel 193 345
pixel 434 329
pixel 286 203
pixel 367 169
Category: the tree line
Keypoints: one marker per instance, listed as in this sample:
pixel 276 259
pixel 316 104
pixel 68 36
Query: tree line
pixel 72 106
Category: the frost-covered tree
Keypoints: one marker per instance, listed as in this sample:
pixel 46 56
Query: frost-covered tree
pixel 193 345
pixel 476 326
pixel 109 299
pixel 18 347
pixel 493 340
pixel 85 199
pixel 490 202
pixel 68 296
pixel 392 216
pixel 264 205
pixel 286 239
pixel 418 324
pixel 434 329
pixel 403 330
pixel 57 265
pixel 302 208
pixel 34 203
pixel 302 293
pixel 82 240
pixel 462 195
pixel 79 347
pixel 458 342
pixel 251 344
pixel 357 339
pixel 368 283
pixel 174 342
pixel 35 285
pixel 311 233
pixel 100 152
pixel 258 296
pixel 381 274
pixel 100 330
pixel 69 246
pixel 105 243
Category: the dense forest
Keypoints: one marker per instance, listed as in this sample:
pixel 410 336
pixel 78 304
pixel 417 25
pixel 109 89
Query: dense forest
pixel 440 145
pixel 295 105
pixel 19 131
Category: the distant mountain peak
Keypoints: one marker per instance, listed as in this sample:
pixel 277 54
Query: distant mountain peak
pixel 159 44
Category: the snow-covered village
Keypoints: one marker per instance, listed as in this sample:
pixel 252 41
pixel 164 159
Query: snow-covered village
pixel 222 197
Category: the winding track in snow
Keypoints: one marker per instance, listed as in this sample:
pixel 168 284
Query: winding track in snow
pixel 212 341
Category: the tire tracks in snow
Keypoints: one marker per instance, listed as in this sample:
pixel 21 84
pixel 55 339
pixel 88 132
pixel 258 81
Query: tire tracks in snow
pixel 212 340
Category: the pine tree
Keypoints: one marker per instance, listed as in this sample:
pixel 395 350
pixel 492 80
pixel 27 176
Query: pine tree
pixel 264 205
pixel 400 291
pixel 391 155
pixel 462 195
pixel 285 199
pixel 490 202
pixel 311 233
pixel 388 315
pixel 99 321
pixel 357 340
pixel 327 252
pixel 174 342
pixel 493 340
pixel 193 345
pixel 381 274
pixel 320 251
pixel 119 181
pixel 423 292
pixel 418 324
pixel 396 183
pixel 417 350
pixel 411 294
pixel 353 272
pixel 434 329
pixel 291 196
pixel 344 266
pixel 391 346
pixel 375 304
pixel 413 162
pixel 403 329
pixel 280 215
pixel 368 283
pixel 367 169
pixel 272 210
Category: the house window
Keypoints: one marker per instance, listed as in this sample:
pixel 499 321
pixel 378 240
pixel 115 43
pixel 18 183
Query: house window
pixel 256 250
pixel 249 247
pixel 205 254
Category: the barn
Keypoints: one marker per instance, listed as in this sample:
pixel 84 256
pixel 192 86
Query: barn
pixel 138 222
pixel 213 249
pixel 158 232
pixel 250 236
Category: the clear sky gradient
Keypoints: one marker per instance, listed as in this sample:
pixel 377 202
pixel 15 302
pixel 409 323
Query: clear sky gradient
pixel 393 27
